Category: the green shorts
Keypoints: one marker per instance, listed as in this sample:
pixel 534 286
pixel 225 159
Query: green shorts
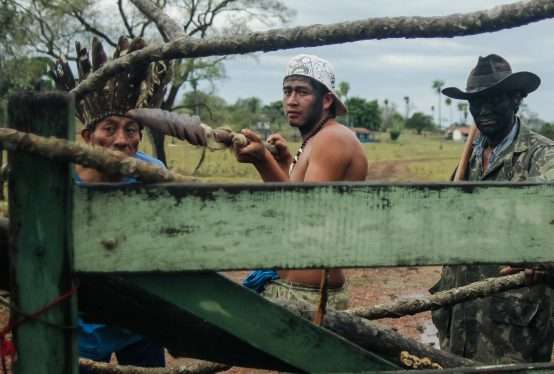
pixel 278 289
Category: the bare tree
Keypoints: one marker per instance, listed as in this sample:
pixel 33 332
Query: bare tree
pixel 55 24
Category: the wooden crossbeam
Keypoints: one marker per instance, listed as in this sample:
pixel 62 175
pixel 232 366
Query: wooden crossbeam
pixel 229 227
pixel 248 326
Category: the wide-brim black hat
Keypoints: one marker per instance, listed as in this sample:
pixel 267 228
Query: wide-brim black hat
pixel 494 74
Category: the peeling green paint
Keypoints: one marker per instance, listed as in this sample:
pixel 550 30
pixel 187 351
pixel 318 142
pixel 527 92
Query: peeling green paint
pixel 261 323
pixel 195 227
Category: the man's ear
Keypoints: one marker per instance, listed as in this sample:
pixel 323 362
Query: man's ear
pixel 86 134
pixel 328 101
pixel 517 99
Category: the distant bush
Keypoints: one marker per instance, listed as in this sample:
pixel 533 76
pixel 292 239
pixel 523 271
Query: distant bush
pixel 419 122
pixel 394 134
pixel 547 130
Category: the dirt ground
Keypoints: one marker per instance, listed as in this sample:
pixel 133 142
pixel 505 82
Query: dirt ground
pixel 376 286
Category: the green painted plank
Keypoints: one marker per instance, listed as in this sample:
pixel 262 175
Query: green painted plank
pixel 262 324
pixel 41 259
pixel 203 227
pixel 183 334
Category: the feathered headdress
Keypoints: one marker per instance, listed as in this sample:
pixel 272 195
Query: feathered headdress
pixel 140 86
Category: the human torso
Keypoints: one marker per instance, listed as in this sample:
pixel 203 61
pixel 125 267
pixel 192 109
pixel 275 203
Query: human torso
pixel 530 157
pixel 355 170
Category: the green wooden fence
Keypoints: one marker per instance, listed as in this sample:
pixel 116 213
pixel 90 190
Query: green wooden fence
pixel 145 256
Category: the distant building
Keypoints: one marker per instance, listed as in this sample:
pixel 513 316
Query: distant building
pixel 458 133
pixel 364 135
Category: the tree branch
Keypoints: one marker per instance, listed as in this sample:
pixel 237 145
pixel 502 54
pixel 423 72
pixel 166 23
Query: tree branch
pixel 203 23
pixel 125 20
pixel 143 27
pixel 92 29
pixel 168 28
pixel 203 367
pixel 495 19
pixel 192 11
pixel 102 159
pixel 374 338
pixel 471 291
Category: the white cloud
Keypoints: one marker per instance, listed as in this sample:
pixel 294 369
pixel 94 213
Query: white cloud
pixel 425 62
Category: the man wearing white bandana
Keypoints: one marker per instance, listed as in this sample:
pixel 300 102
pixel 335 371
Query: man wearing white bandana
pixel 329 152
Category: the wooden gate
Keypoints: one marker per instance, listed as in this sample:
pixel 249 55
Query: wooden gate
pixel 146 257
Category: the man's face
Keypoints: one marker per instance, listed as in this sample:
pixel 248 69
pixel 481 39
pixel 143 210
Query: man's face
pixel 301 104
pixel 494 114
pixel 117 133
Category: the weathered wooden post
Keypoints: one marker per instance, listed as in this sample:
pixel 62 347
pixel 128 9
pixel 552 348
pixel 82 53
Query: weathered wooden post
pixel 40 252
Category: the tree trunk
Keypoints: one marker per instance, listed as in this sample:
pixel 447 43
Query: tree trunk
pixel 202 367
pixel 377 339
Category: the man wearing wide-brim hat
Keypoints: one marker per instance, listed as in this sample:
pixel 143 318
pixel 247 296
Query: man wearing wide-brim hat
pixel 512 326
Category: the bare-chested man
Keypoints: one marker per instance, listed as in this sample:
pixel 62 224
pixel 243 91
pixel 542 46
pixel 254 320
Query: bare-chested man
pixel 329 152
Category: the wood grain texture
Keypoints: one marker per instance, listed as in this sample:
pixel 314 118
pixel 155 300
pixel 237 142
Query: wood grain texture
pixel 240 313
pixel 195 227
pixel 40 254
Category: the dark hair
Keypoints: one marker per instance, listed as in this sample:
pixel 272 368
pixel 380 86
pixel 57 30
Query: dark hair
pixel 319 90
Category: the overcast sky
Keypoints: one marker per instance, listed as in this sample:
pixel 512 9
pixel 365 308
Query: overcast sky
pixel 396 68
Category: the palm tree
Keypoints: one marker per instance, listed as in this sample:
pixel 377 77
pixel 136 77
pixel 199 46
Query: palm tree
pixel 407 100
pixel 344 88
pixel 448 102
pixel 437 86
pixel 386 114
pixel 462 107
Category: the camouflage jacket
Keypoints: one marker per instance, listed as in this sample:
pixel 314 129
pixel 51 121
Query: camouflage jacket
pixel 513 326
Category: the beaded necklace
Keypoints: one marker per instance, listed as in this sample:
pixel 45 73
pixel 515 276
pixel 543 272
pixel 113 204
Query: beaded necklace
pixel 314 131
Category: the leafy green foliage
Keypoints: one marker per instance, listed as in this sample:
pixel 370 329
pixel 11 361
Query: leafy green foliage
pixel 364 113
pixel 22 73
pixel 419 122
pixel 244 113
pixel 547 130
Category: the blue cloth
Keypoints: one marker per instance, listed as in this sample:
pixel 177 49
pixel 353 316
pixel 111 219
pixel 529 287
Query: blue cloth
pixel 98 341
pixel 257 279
pixel 141 353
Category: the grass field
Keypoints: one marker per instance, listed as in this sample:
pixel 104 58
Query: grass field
pixel 411 158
